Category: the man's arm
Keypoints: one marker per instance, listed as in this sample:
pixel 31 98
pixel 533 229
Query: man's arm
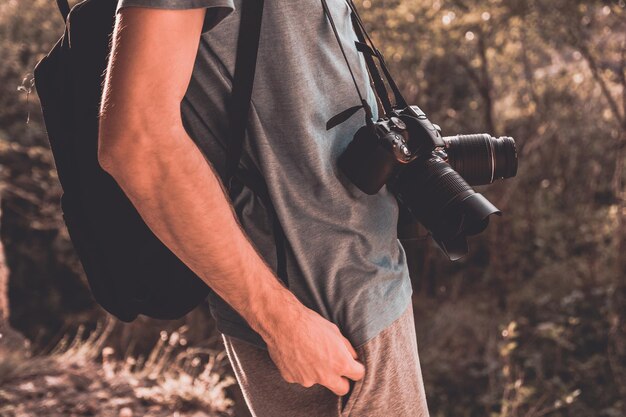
pixel 145 147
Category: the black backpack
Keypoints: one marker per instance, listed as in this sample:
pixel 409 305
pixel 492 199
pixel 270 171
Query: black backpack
pixel 129 270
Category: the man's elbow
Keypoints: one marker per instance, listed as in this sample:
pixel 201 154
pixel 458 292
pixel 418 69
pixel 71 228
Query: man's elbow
pixel 122 141
pixel 122 154
pixel 128 153
pixel 134 132
pixel 133 127
pixel 113 153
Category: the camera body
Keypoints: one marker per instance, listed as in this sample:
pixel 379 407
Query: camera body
pixel 379 150
pixel 406 152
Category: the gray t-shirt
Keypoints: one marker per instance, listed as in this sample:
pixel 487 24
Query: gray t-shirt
pixel 343 256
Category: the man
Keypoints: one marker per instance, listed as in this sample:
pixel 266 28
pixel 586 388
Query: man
pixel 338 338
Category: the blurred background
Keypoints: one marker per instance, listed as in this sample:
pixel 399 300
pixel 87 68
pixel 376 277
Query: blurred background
pixel 532 323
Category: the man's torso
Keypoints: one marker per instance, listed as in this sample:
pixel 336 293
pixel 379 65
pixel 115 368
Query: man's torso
pixel 343 257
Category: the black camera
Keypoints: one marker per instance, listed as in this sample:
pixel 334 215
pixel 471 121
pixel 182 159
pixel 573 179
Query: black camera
pixel 424 170
pixel 430 175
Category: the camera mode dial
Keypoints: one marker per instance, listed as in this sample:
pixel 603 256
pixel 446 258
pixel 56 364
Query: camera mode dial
pixel 399 148
pixel 395 136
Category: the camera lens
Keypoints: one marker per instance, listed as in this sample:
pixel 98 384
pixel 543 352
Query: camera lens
pixel 438 197
pixel 481 159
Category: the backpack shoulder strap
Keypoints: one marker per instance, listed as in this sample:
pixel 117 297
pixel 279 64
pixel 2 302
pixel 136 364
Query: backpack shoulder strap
pixel 243 80
pixel 238 116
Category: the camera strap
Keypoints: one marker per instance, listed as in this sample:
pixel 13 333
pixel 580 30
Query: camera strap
pixel 64 8
pixel 346 114
pixel 379 83
pixel 369 53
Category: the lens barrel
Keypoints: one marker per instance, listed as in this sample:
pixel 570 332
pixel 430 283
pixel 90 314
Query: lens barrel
pixel 444 203
pixel 481 159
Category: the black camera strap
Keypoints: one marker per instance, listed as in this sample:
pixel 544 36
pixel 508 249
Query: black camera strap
pixel 377 80
pixel 64 8
pixel 369 52
pixel 343 116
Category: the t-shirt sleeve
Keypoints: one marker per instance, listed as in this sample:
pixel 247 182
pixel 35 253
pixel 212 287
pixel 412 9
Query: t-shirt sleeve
pixel 217 10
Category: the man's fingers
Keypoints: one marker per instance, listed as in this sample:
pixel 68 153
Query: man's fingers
pixel 340 386
pixel 350 348
pixel 355 371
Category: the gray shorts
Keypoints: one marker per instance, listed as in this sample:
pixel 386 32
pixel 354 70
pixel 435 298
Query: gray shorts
pixel 392 386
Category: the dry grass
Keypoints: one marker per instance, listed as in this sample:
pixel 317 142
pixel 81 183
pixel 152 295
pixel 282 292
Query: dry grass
pixel 82 376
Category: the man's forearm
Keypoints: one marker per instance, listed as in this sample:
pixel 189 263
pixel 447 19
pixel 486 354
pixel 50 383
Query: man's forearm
pixel 180 198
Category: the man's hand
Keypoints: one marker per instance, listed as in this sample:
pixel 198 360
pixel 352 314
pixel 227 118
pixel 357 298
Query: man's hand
pixel 308 350
pixel 145 147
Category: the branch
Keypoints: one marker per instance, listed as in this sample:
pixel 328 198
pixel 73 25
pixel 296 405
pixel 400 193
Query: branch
pixel 471 72
pixel 487 84
pixel 622 80
pixel 595 72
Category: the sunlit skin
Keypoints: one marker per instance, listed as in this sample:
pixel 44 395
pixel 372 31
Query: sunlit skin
pixel 145 147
